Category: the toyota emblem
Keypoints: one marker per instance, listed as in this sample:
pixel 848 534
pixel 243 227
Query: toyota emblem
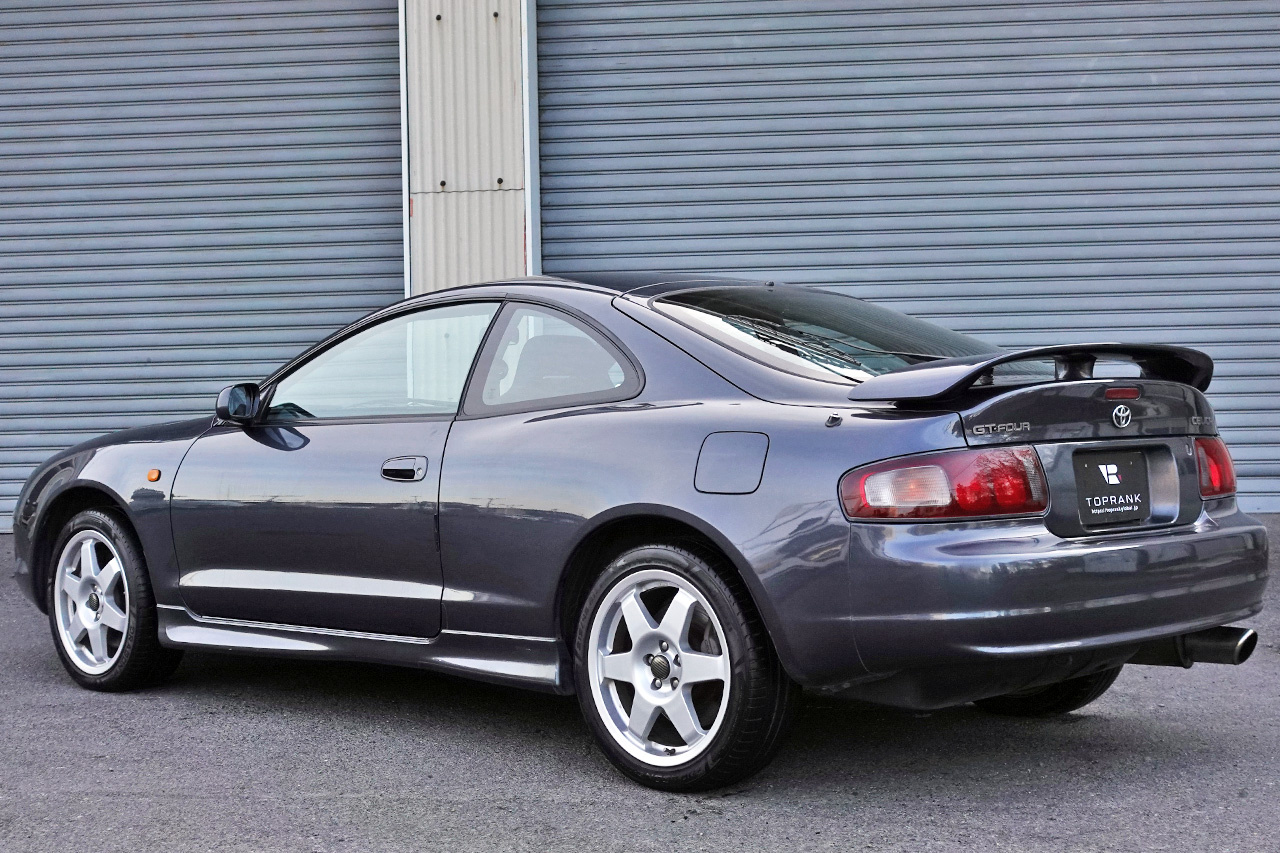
pixel 1121 416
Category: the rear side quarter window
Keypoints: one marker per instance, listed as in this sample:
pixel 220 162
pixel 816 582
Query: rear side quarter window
pixel 540 358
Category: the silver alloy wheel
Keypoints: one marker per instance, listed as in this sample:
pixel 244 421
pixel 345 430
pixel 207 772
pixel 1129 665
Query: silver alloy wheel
pixel 91 602
pixel 646 669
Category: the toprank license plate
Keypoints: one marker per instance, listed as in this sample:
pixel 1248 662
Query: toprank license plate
pixel 1112 487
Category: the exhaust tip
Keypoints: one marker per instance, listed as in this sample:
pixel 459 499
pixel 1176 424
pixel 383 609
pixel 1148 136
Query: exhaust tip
pixel 1226 644
pixel 1244 649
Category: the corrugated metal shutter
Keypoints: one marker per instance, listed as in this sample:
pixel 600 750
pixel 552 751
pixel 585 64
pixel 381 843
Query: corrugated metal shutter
pixel 190 193
pixel 1028 172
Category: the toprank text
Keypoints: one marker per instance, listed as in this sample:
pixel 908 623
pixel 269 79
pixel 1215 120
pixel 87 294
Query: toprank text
pixel 1114 503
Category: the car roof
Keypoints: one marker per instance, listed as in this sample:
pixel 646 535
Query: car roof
pixel 615 282
pixel 627 282
pixel 640 284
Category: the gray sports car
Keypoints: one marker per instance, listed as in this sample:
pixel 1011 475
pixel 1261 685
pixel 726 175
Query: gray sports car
pixel 682 498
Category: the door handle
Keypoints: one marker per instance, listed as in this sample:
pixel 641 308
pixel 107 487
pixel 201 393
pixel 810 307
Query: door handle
pixel 405 468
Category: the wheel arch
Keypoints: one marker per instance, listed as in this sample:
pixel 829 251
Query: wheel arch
pixel 612 533
pixel 60 509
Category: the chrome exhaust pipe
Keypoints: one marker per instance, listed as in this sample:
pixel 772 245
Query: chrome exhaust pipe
pixel 1224 644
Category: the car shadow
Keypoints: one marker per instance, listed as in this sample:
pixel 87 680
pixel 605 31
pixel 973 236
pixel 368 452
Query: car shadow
pixel 835 748
pixel 1127 745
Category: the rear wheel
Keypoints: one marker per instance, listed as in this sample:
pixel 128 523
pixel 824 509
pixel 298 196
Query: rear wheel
pixel 675 673
pixel 1061 698
pixel 101 610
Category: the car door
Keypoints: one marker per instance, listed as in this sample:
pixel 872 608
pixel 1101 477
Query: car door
pixel 323 512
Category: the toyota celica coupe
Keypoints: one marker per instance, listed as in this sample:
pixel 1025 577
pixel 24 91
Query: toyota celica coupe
pixel 683 499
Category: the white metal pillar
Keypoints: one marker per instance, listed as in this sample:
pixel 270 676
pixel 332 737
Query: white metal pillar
pixel 470 147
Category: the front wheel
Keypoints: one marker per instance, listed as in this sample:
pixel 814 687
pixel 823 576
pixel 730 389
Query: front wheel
pixel 675 673
pixel 1053 700
pixel 101 610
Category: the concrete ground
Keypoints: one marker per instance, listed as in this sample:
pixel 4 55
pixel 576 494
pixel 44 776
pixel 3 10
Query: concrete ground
pixel 257 755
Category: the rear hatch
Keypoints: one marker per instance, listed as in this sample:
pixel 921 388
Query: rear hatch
pixel 1118 454
pixel 1111 464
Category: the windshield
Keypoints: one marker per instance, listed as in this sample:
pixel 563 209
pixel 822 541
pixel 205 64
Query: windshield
pixel 815 333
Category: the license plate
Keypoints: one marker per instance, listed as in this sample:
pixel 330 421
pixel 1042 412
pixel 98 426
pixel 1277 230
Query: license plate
pixel 1112 487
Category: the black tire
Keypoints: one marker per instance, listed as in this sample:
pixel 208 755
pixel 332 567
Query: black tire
pixel 140 660
pixel 762 699
pixel 1054 700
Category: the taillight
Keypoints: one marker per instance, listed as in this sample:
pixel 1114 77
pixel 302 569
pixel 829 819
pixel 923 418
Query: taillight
pixel 1217 474
pixel 1122 393
pixel 952 484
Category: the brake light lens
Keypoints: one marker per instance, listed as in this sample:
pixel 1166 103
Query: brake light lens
pixel 953 484
pixel 1122 393
pixel 1217 474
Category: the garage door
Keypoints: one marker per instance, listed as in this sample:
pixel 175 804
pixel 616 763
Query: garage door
pixel 190 194
pixel 1029 172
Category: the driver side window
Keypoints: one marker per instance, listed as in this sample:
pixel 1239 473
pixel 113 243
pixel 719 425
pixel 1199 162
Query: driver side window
pixel 415 364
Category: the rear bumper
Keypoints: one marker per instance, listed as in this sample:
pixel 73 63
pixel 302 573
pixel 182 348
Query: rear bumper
pixel 929 595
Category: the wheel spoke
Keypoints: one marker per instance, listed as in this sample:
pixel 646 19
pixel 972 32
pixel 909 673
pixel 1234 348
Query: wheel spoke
pixel 618 667
pixel 89 567
pixel 75 629
pixel 695 667
pixel 109 576
pixel 73 586
pixel 637 617
pixel 643 715
pixel 681 714
pixel 675 622
pixel 113 617
pixel 98 642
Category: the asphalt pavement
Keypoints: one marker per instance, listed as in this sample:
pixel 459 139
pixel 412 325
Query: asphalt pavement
pixel 240 754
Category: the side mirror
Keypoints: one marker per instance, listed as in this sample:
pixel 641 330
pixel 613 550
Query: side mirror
pixel 239 403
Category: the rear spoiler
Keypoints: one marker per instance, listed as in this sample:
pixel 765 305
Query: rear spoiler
pixel 938 380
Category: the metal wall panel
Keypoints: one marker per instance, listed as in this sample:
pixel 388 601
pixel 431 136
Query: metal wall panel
pixel 464 95
pixel 1031 172
pixel 462 238
pixel 190 193
pixel 466 141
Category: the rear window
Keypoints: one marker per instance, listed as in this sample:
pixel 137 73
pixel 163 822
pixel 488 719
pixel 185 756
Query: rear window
pixel 815 333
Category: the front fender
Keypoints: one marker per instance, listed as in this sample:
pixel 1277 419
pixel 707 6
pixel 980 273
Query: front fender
pixel 108 469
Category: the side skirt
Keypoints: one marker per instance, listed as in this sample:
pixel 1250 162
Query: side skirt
pixel 538 663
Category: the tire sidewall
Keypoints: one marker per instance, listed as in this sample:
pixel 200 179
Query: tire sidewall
pixel 135 574
pixel 739 647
